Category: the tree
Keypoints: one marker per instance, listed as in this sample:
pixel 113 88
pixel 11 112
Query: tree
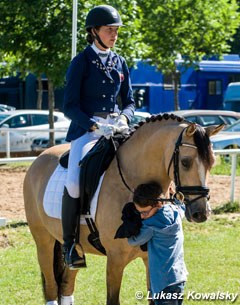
pixel 235 41
pixel 37 33
pixel 190 28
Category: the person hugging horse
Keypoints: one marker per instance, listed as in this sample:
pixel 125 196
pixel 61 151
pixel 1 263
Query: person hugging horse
pixel 162 231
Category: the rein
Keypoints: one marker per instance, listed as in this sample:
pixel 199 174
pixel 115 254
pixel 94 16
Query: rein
pixel 172 199
pixel 202 191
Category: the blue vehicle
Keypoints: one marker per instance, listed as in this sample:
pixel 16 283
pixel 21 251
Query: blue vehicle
pixel 232 97
pixel 202 87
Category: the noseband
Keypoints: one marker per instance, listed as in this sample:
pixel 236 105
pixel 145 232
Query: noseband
pixel 201 191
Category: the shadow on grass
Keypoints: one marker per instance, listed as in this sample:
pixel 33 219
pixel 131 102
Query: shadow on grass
pixel 16 224
pixel 230 207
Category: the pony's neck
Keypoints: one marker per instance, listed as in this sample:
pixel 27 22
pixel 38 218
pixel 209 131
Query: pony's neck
pixel 145 156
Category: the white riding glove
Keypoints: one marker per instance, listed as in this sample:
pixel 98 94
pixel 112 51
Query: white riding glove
pixel 106 130
pixel 121 124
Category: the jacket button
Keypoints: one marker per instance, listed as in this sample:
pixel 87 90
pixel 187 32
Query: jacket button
pixel 103 95
pixel 103 81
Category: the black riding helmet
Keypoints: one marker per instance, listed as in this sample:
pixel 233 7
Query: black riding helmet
pixel 103 15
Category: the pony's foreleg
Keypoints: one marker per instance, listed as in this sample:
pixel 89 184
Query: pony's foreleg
pixel 145 260
pixel 115 267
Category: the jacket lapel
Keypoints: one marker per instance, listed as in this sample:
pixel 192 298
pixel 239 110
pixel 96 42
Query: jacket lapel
pixel 95 60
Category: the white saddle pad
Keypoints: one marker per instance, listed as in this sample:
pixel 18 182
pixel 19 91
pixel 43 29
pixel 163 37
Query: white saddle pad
pixel 52 201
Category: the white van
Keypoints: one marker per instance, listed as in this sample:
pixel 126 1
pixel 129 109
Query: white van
pixel 232 97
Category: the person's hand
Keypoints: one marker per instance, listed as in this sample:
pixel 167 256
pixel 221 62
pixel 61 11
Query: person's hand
pixel 172 189
pixel 106 130
pixel 121 124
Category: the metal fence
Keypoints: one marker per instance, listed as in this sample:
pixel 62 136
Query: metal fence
pixel 26 132
pixel 233 153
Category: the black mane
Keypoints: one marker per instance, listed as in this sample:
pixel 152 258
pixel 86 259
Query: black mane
pixel 203 144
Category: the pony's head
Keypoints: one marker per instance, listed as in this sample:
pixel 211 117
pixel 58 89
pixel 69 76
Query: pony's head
pixel 168 148
pixel 189 167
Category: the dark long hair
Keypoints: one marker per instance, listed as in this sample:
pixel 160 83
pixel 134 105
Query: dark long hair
pixel 90 37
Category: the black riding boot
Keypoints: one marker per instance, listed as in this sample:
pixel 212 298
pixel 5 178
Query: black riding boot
pixel 70 210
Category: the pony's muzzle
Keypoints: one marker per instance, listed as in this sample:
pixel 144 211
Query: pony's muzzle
pixel 197 212
pixel 199 217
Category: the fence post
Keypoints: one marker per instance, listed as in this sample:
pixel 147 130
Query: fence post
pixel 8 143
pixel 233 176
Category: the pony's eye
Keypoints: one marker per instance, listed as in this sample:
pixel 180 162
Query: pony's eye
pixel 186 162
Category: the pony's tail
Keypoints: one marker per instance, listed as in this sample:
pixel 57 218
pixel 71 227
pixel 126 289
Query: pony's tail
pixel 58 267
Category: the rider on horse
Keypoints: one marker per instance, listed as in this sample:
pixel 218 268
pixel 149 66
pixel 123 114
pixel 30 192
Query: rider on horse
pixel 95 78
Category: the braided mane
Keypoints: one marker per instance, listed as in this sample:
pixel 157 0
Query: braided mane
pixel 201 139
pixel 158 117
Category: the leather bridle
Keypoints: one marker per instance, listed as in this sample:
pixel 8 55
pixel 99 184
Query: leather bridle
pixel 201 191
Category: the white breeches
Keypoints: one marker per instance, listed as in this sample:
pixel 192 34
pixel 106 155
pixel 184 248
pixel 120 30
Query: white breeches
pixel 79 148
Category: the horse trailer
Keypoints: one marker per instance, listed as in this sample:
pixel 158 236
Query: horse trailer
pixel 199 87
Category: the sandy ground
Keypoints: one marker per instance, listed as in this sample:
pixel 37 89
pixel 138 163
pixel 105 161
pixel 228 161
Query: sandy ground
pixel 11 194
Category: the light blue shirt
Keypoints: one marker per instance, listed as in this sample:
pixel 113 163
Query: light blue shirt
pixel 164 234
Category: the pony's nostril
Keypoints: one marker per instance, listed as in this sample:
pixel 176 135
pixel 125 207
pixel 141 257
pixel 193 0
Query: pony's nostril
pixel 199 217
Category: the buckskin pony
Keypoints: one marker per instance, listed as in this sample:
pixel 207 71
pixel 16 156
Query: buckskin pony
pixel 164 148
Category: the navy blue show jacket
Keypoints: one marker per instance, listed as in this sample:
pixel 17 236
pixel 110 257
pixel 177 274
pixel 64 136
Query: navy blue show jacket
pixel 93 88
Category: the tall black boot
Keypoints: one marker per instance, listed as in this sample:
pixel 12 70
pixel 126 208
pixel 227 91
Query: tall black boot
pixel 70 210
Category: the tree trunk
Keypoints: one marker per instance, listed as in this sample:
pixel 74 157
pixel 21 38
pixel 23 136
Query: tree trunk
pixel 51 106
pixel 175 78
pixel 40 92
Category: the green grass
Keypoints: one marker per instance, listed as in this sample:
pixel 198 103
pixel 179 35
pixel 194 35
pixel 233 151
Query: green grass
pixel 229 207
pixel 17 165
pixel 19 280
pixel 223 166
pixel 212 257
pixel 211 252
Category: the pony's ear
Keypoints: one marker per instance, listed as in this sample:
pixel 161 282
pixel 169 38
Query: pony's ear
pixel 213 129
pixel 191 129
